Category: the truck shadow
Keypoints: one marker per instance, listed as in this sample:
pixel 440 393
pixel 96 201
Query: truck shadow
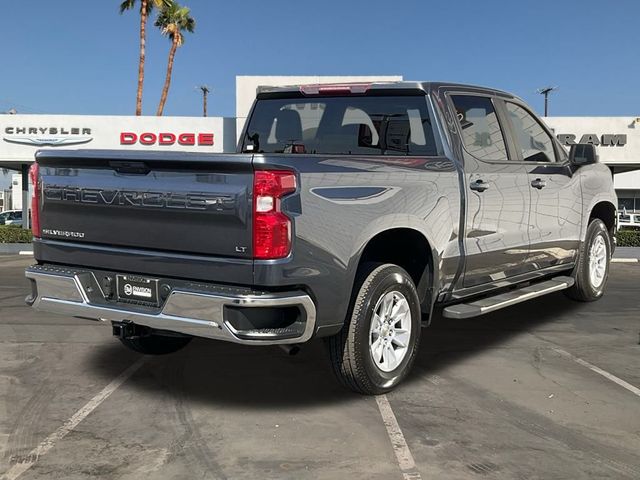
pixel 226 375
pixel 448 341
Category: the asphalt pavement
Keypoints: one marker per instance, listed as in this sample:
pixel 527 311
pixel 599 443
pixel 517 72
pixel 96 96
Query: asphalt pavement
pixel 548 389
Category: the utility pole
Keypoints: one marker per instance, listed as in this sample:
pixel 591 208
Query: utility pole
pixel 546 91
pixel 205 91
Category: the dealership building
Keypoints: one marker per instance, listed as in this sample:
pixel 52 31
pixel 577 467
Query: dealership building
pixel 617 138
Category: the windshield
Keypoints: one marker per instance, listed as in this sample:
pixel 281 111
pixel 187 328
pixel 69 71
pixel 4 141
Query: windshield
pixel 348 125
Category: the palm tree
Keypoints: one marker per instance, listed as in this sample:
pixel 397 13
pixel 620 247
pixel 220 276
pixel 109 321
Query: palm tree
pixel 172 21
pixel 145 8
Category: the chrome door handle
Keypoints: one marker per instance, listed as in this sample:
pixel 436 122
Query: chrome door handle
pixel 538 183
pixel 479 186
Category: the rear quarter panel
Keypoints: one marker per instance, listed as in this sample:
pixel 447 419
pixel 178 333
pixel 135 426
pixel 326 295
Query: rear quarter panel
pixel 343 202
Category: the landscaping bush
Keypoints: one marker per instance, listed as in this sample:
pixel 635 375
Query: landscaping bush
pixel 14 234
pixel 628 238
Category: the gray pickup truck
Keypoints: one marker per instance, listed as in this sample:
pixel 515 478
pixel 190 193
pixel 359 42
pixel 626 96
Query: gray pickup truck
pixel 348 212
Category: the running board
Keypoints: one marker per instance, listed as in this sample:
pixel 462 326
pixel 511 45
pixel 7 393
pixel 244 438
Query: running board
pixel 491 304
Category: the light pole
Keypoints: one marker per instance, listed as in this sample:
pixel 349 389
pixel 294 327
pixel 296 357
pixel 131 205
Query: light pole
pixel 546 91
pixel 205 91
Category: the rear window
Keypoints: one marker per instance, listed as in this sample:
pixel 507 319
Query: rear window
pixel 377 125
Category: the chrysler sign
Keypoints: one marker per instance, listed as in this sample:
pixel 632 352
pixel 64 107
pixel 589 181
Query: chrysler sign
pixel 47 136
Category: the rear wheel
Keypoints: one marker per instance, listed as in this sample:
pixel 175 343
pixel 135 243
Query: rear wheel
pixel 377 346
pixel 592 270
pixel 153 344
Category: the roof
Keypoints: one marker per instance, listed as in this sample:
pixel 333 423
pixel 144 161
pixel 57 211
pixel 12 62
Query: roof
pixel 400 85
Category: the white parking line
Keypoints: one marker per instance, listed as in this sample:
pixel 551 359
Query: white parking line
pixel 624 260
pixel 399 444
pixel 48 443
pixel 633 389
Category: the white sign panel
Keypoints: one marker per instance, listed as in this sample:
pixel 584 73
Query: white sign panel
pixel 22 135
pixel 617 139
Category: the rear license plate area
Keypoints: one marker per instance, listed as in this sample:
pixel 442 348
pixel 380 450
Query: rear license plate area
pixel 138 290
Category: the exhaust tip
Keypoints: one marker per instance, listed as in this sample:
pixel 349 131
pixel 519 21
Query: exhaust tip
pixel 290 350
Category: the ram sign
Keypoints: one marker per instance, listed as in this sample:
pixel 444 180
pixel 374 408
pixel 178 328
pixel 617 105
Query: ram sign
pixel 606 140
pixel 617 138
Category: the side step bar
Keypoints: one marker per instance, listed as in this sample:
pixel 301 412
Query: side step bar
pixel 491 304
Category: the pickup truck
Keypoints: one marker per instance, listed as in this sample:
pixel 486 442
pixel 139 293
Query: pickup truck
pixel 349 212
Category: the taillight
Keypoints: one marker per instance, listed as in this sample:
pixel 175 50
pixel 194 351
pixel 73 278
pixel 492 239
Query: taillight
pixel 271 227
pixel 34 176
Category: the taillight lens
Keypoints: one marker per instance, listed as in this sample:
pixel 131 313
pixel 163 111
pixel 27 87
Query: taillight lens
pixel 271 227
pixel 34 176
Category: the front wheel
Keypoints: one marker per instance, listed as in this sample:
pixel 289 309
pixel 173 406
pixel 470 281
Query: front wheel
pixel 377 346
pixel 592 270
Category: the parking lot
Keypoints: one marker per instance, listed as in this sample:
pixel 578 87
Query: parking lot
pixel 544 390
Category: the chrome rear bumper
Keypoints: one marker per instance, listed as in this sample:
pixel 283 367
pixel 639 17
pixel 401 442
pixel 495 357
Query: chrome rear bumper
pixel 190 309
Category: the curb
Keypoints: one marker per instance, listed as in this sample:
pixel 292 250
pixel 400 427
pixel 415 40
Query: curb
pixel 15 248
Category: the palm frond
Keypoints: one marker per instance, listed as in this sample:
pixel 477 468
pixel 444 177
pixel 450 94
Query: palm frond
pixel 160 3
pixel 151 4
pixel 127 5
pixel 173 19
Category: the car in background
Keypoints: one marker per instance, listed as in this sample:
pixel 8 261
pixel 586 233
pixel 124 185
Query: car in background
pixel 629 220
pixel 11 217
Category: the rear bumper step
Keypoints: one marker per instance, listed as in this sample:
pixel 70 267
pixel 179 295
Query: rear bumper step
pixel 491 304
pixel 190 309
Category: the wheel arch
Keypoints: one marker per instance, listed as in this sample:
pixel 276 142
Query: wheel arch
pixel 410 249
pixel 605 211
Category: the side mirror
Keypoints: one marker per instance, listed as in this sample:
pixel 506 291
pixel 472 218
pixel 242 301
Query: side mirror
pixel 583 154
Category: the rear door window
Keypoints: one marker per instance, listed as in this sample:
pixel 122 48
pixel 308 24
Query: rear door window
pixel 349 125
pixel 481 132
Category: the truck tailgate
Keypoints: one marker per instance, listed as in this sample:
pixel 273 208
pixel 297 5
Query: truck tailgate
pixel 186 203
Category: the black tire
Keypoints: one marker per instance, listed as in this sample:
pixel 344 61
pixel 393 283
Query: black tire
pixel 155 344
pixel 584 289
pixel 349 351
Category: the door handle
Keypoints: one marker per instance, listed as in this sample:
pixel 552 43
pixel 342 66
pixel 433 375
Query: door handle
pixel 479 186
pixel 538 183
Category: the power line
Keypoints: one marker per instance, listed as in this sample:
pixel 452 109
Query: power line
pixel 546 91
pixel 205 92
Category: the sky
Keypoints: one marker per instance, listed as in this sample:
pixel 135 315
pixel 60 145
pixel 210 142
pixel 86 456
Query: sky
pixel 80 57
